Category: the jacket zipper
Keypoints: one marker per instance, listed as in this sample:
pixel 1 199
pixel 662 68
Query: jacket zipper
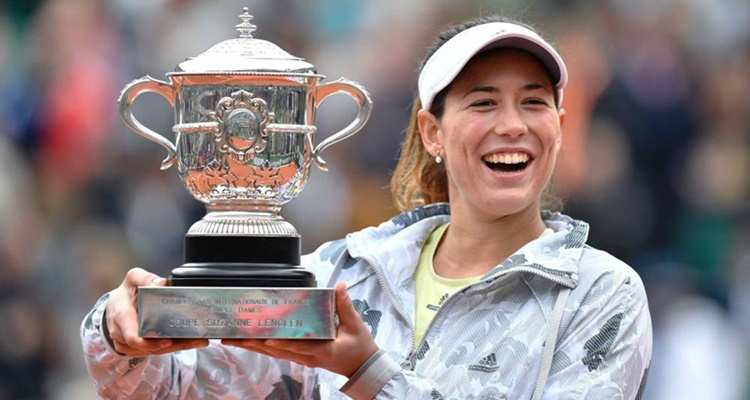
pixel 396 306
pixel 391 296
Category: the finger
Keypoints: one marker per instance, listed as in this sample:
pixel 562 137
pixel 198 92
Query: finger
pixel 284 354
pixel 348 316
pixel 124 328
pixel 140 277
pixel 177 345
pixel 184 344
pixel 122 322
pixel 257 345
pixel 306 347
pixel 123 348
pixel 125 331
pixel 243 342
pixel 254 345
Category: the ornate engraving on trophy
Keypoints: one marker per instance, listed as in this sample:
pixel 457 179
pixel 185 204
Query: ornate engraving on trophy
pixel 242 120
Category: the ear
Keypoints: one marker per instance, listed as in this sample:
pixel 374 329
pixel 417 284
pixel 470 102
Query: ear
pixel 429 128
pixel 561 115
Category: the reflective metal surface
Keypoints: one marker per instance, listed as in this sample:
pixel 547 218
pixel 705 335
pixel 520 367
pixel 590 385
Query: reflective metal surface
pixel 245 127
pixel 191 312
pixel 245 53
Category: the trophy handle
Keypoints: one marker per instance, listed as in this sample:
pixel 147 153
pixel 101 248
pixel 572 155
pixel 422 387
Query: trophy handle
pixel 128 95
pixel 356 92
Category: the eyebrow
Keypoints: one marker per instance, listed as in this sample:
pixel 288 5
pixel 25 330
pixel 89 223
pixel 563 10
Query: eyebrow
pixel 533 86
pixel 491 89
pixel 486 89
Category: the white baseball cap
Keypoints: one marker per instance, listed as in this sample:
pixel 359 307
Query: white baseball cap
pixel 450 58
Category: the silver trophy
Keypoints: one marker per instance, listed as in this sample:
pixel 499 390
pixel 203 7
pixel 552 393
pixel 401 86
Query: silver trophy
pixel 245 113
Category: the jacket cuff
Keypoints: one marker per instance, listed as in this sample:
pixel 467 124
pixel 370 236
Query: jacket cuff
pixel 371 376
pixel 97 319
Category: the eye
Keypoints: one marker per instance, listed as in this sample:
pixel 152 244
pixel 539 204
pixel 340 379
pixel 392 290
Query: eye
pixel 535 101
pixel 483 103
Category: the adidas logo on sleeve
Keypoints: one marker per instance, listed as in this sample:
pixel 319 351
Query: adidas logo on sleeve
pixel 487 364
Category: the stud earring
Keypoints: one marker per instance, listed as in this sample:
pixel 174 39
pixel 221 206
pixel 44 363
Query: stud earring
pixel 438 159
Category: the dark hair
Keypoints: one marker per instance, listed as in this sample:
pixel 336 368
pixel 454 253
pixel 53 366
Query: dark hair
pixel 418 179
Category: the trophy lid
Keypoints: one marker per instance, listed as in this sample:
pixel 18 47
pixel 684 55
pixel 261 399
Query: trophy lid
pixel 245 55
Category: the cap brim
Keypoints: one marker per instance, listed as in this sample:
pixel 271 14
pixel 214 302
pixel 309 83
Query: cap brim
pixel 450 59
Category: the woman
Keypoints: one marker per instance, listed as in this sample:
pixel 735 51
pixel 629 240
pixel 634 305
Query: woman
pixel 486 296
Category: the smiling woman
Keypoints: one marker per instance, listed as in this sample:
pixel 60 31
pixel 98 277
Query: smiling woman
pixel 499 109
pixel 474 291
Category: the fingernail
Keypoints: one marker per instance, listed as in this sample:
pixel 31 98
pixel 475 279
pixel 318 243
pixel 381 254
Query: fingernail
pixel 165 343
pixel 157 280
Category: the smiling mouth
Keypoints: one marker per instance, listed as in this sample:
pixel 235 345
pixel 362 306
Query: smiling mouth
pixel 507 162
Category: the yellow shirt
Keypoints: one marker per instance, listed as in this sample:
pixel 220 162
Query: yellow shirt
pixel 433 290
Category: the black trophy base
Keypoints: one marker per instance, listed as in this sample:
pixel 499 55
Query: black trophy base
pixel 242 261
pixel 243 249
pixel 242 275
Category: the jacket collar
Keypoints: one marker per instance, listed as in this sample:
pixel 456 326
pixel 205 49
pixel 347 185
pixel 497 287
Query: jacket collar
pixel 554 256
pixel 394 247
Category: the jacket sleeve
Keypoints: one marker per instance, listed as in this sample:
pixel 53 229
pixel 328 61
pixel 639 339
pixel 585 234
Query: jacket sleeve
pixel 212 372
pixel 605 350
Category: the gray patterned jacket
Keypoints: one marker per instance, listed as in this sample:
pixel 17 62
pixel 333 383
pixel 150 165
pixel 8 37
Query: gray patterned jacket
pixel 486 341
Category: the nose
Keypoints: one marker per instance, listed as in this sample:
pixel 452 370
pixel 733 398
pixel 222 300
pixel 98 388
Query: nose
pixel 510 123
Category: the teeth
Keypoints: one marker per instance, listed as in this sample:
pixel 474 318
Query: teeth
pixel 507 158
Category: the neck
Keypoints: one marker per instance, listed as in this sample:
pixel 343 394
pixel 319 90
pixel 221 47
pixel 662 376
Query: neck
pixel 472 246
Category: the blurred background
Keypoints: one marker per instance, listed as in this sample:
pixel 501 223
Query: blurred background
pixel 656 157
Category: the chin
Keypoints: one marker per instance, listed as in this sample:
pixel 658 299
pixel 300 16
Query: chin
pixel 505 206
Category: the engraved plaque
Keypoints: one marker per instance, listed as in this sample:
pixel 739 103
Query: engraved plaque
pixel 226 312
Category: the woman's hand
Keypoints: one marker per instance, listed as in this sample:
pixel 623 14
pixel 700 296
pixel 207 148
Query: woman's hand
pixel 344 355
pixel 121 320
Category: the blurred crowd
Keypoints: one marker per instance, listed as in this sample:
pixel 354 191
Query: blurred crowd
pixel 656 157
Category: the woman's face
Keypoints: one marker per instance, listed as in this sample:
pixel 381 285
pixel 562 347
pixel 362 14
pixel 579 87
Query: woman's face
pixel 499 134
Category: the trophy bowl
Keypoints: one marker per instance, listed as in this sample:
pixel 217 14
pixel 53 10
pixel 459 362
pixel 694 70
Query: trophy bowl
pixel 244 145
pixel 244 129
pixel 242 154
